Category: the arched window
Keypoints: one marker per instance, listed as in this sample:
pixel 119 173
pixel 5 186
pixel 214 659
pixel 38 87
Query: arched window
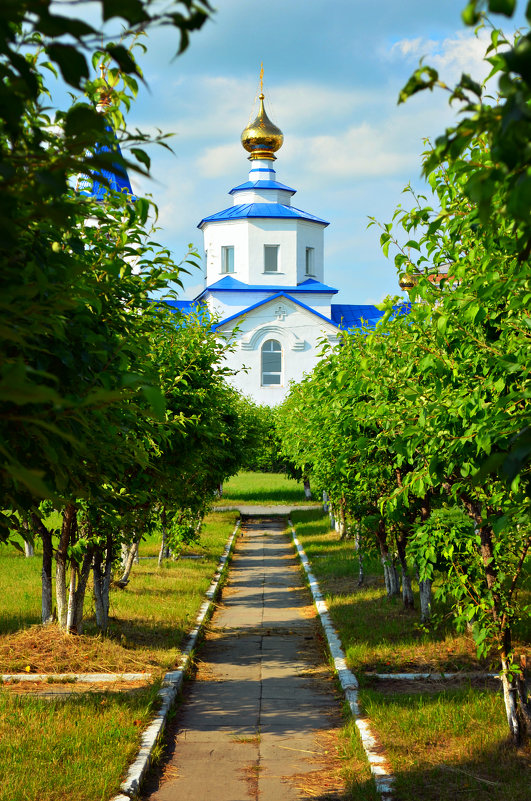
pixel 271 363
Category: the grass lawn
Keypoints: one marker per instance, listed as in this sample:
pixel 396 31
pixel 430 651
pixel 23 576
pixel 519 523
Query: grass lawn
pixel 78 748
pixel 69 750
pixel 262 489
pixel 443 742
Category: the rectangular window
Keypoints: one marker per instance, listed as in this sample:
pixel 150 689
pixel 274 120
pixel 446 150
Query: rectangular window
pixel 310 259
pixel 227 259
pixel 271 258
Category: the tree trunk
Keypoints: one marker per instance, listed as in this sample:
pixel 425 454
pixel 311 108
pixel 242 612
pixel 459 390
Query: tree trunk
pixel 342 518
pixel 307 488
pixel 392 583
pixel 29 549
pixel 102 582
pixel 407 592
pixel 131 556
pixel 70 614
pixel 46 573
pixel 325 501
pixel 79 598
pixel 425 600
pixel 357 548
pixel 61 555
pixel 164 552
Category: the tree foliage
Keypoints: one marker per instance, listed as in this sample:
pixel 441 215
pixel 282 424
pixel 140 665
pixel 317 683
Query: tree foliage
pixel 419 430
pixel 114 410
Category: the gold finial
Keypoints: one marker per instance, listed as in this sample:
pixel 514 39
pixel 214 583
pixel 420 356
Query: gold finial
pixel 104 91
pixel 261 138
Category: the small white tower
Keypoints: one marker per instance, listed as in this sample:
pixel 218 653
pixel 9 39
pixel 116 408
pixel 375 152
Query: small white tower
pixel 262 240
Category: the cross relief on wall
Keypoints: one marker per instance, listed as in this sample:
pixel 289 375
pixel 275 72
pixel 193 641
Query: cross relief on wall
pixel 280 312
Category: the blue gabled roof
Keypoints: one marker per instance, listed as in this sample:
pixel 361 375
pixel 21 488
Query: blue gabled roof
pixel 262 185
pixel 267 300
pixel 264 210
pixel 230 284
pixel 349 316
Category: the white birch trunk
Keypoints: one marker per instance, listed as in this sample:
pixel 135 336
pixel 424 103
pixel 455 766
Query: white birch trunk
pixel 392 582
pixel 29 550
pixel 131 557
pixel 307 489
pixel 70 614
pixel 325 501
pixel 60 593
pixel 510 697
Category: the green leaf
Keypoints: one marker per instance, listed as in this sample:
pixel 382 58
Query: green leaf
pixel 130 10
pixel 469 14
pixel 31 479
pixel 123 58
pixel 82 118
pixel 156 400
pixel 506 7
pixel 71 62
pixel 141 156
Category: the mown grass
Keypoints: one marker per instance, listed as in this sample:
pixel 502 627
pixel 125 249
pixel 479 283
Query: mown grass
pixel 451 744
pixel 442 743
pixel 69 750
pixel 262 489
pixel 148 619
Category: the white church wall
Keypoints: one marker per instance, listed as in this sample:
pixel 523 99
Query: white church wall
pixel 273 232
pixel 310 235
pixel 262 196
pixel 299 334
pixel 228 233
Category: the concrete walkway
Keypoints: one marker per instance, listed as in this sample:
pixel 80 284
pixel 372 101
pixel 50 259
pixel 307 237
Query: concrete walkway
pixel 260 719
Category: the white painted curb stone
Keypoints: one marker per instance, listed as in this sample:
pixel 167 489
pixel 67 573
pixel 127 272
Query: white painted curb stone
pixel 383 777
pixel 130 787
pixel 88 678
pixel 432 676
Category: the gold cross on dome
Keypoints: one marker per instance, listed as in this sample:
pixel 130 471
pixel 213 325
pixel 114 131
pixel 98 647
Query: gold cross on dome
pixel 262 78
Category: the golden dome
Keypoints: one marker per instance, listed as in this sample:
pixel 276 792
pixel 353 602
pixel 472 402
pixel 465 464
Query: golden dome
pixel 261 138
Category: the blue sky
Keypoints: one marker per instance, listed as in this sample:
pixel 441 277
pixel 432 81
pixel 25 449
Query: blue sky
pixel 333 70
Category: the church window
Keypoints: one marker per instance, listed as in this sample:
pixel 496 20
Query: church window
pixel 310 261
pixel 270 258
pixel 227 259
pixel 271 363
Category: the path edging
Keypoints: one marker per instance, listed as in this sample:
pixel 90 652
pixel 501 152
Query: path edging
pixel 84 678
pixel 383 777
pixel 171 684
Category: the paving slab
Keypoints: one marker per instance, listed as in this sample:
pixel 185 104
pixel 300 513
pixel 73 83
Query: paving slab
pixel 251 723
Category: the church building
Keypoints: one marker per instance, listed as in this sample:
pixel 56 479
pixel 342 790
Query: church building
pixel 265 284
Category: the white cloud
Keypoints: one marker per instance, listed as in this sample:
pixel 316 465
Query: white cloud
pixel 463 52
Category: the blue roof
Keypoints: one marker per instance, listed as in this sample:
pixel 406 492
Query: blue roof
pixel 267 300
pixel 184 306
pixel 230 284
pixel 116 178
pixel 349 316
pixel 264 210
pixel 262 185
